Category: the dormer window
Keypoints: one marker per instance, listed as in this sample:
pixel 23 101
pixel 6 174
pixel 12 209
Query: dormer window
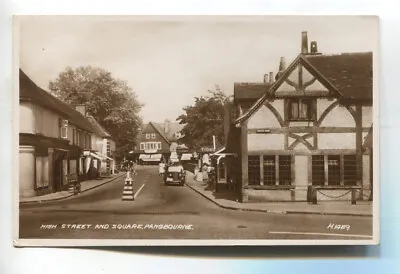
pixel 300 109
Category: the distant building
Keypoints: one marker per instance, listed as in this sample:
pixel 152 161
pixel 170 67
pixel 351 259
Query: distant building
pixel 103 146
pixel 305 131
pixel 157 141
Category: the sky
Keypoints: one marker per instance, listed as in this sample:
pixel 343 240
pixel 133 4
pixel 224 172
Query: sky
pixel 167 61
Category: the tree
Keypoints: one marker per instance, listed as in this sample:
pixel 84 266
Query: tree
pixel 110 101
pixel 203 120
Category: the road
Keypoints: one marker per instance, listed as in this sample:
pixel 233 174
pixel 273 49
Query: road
pixel 102 214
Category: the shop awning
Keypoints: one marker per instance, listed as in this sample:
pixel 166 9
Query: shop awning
pixel 105 157
pixel 151 157
pixel 94 155
pixel 144 156
pixel 186 156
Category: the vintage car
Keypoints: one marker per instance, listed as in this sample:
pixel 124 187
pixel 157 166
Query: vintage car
pixel 175 174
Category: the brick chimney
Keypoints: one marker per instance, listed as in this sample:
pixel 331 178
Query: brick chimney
pixel 282 64
pixel 304 43
pixel 271 77
pixel 167 126
pixel 266 76
pixel 81 109
pixel 314 47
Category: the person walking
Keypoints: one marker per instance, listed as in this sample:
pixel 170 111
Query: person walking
pixel 161 169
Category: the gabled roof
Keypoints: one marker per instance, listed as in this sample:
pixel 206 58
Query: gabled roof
pixel 28 90
pixel 167 136
pixel 245 91
pixel 348 75
pixel 100 131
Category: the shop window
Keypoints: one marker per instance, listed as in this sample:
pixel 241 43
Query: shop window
pixel 333 169
pixel 318 170
pixel 254 170
pixel 349 170
pixel 269 170
pixel 42 172
pixel 299 109
pixel 285 170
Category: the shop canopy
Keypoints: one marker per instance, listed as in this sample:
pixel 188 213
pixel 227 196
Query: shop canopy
pixel 186 156
pixel 150 157
pixel 105 157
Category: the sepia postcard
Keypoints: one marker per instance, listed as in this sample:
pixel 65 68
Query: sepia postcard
pixel 196 130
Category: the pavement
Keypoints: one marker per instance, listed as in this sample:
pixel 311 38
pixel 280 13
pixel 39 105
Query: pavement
pixel 85 186
pixel 362 208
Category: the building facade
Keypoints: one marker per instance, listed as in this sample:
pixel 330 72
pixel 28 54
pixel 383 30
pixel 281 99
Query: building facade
pixel 305 133
pixel 157 141
pixel 52 138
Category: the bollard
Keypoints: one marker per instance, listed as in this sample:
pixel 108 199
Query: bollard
pixel 314 196
pixel 128 194
pixel 353 196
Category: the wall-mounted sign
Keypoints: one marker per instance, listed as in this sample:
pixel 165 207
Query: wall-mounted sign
pixel 207 149
pixel 263 130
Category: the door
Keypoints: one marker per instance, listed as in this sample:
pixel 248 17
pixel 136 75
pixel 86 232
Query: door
pixel 57 172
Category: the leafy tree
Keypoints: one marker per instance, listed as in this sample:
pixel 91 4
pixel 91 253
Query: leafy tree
pixel 204 119
pixel 110 101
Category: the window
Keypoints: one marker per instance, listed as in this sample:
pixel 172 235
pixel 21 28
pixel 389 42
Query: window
pixel 269 170
pixel 153 136
pixel 150 145
pixel 64 129
pixel 333 169
pixel 147 135
pixel 318 170
pixel 142 146
pixel 285 170
pixel 73 136
pixel 159 145
pixel 349 170
pixel 254 170
pixel 42 172
pixel 299 110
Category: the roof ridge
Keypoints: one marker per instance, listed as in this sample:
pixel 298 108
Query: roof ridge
pixel 337 54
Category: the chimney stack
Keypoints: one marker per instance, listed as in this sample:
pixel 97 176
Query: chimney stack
pixel 282 64
pixel 81 109
pixel 271 77
pixel 266 76
pixel 304 43
pixel 167 124
pixel 314 47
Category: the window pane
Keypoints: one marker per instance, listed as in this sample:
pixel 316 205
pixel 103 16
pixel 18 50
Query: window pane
pixel 304 108
pixel 349 170
pixel 334 170
pixel 294 110
pixel 254 170
pixel 269 169
pixel 318 170
pixel 285 170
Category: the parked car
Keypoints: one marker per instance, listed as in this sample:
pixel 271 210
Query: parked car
pixel 175 174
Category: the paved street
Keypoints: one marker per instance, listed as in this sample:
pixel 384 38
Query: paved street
pixel 188 214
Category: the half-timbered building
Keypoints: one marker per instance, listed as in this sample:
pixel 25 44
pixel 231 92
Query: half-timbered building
pixel 302 139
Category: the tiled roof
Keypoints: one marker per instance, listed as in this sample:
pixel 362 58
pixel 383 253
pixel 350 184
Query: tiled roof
pixel 170 134
pixel 350 73
pixel 249 90
pixel 100 131
pixel 28 90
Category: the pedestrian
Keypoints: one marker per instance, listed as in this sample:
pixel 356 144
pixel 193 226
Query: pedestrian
pixel 161 169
